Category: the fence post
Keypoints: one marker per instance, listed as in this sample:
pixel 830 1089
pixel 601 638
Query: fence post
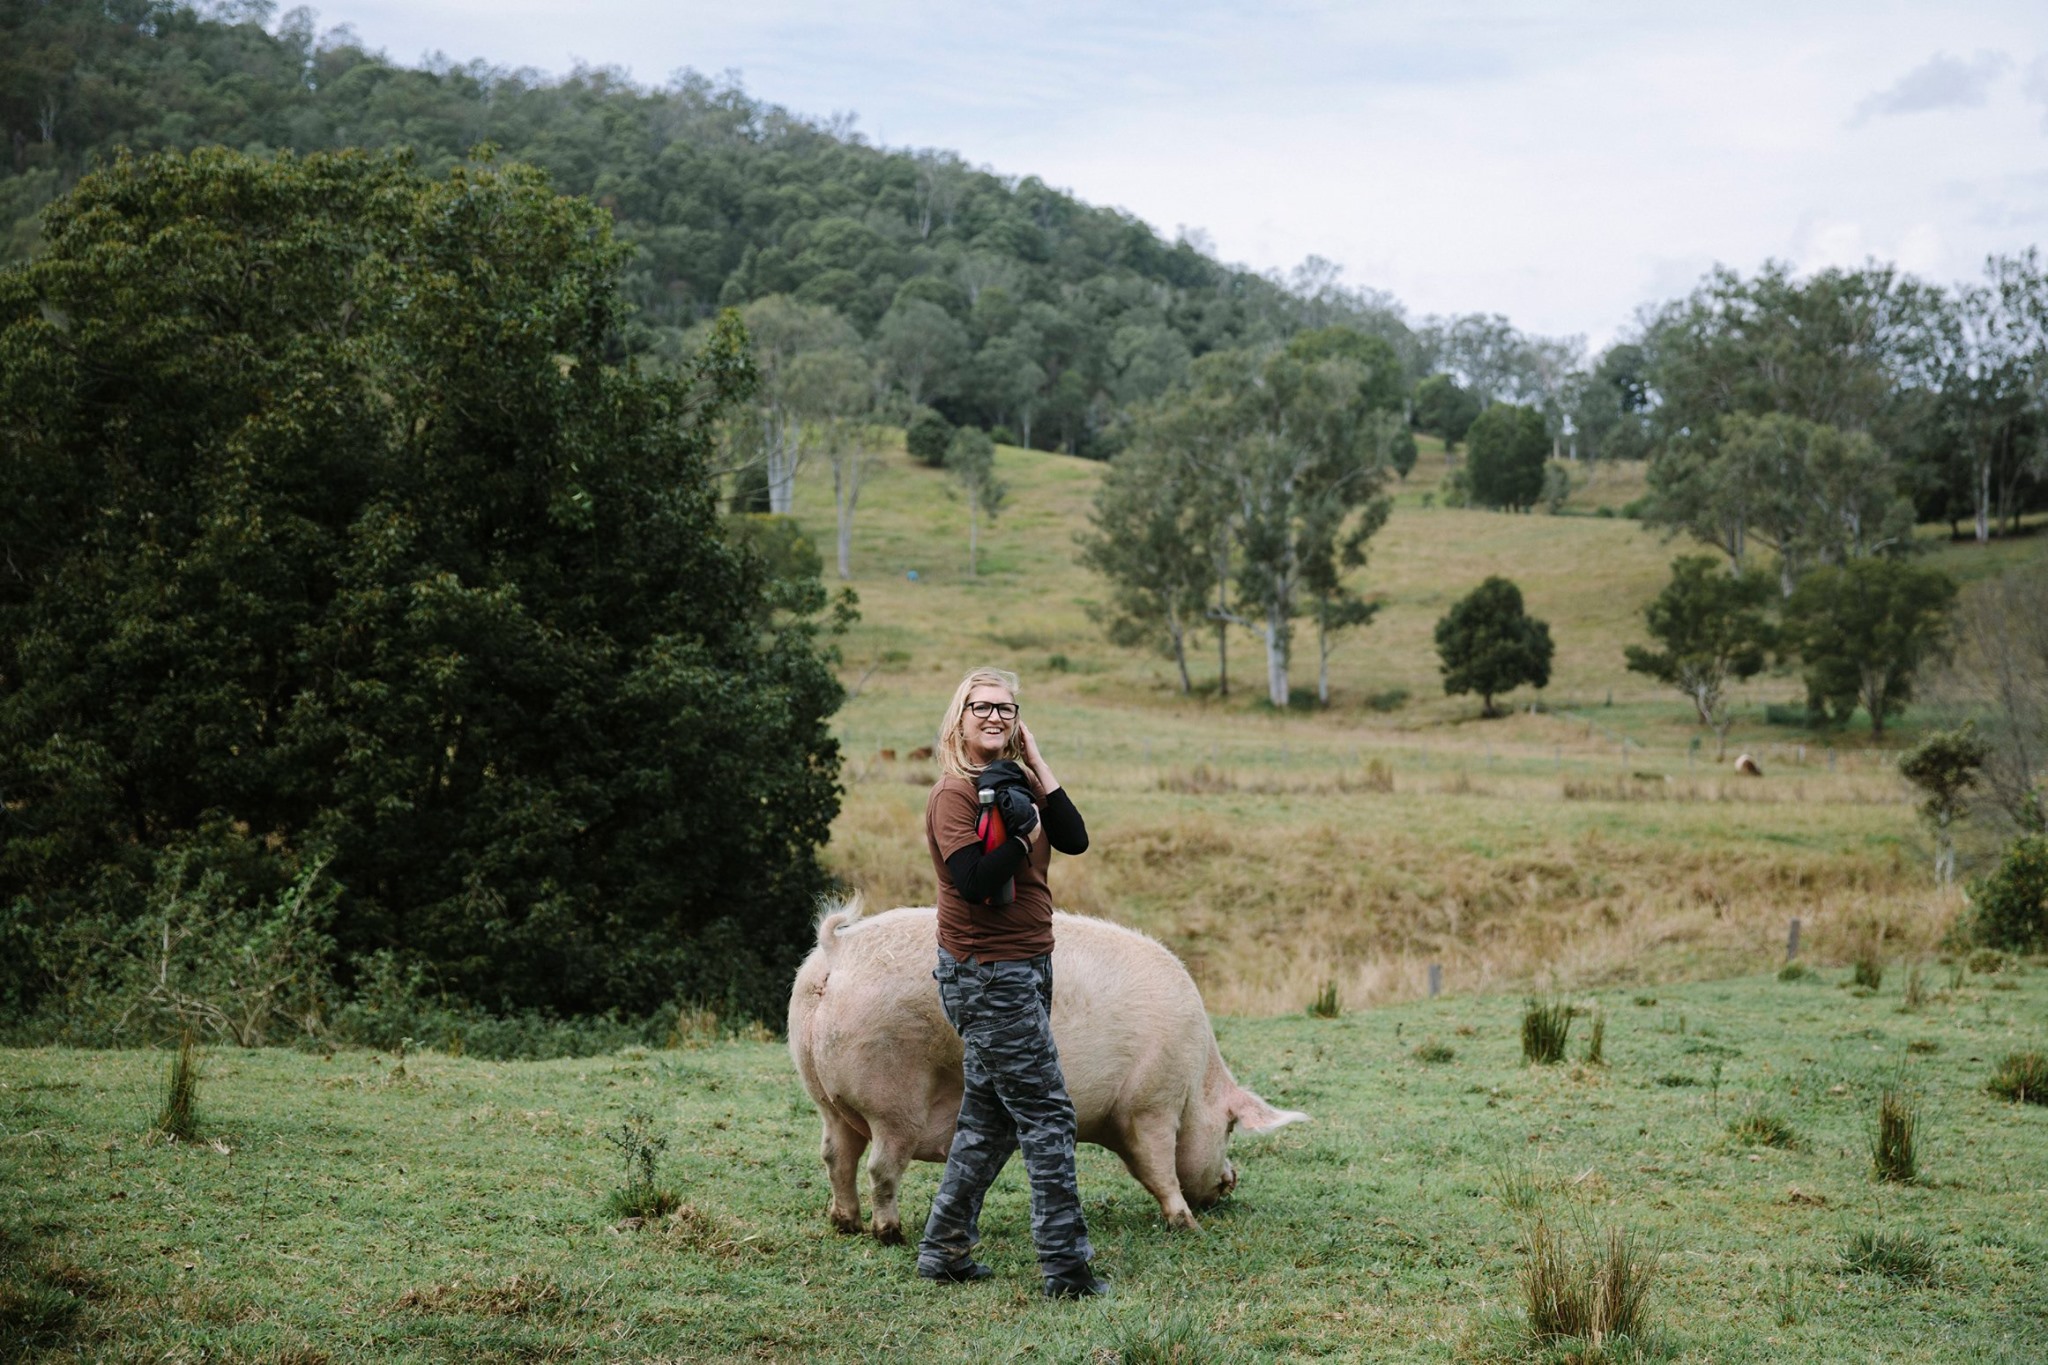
pixel 1792 940
pixel 1436 979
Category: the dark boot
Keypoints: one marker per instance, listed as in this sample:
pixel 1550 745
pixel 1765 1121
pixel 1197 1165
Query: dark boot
pixel 966 1272
pixel 1078 1283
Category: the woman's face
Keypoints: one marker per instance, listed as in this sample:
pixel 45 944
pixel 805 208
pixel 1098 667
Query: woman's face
pixel 987 735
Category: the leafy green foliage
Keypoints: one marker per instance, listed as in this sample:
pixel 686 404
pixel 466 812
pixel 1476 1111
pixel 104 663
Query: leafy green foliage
pixel 1509 447
pixel 971 455
pixel 928 437
pixel 1152 529
pixel 1712 627
pixel 1945 766
pixel 1444 409
pixel 2010 906
pixel 328 525
pixel 1863 629
pixel 1490 645
pixel 641 1196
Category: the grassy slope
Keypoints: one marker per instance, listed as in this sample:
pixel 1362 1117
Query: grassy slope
pixel 1268 850
pixel 333 1211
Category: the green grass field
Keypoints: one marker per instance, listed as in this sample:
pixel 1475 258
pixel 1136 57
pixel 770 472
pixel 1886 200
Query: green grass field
pixel 333 1209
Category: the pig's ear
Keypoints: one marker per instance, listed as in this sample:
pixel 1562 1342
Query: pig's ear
pixel 1254 1115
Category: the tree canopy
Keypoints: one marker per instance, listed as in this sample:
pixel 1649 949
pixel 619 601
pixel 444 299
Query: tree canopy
pixel 1489 644
pixel 330 535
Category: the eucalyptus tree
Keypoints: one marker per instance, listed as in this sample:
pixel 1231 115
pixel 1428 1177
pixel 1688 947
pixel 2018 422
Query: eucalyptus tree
pixel 800 350
pixel 1151 533
pixel 1294 464
pixel 972 458
pixel 1711 628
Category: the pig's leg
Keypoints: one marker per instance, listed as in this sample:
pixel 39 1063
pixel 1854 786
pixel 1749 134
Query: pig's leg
pixel 842 1147
pixel 1149 1143
pixel 885 1172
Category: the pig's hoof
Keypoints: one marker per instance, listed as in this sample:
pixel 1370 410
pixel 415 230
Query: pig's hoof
pixel 846 1222
pixel 889 1234
pixel 1183 1221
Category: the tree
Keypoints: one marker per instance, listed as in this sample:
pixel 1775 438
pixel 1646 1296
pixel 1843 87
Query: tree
pixel 1810 492
pixel 1288 444
pixel 1944 767
pixel 1863 630
pixel 1610 414
pixel 1150 539
pixel 921 348
pixel 1443 409
pixel 1509 448
pixel 1997 679
pixel 327 530
pixel 1712 627
pixel 2010 907
pixel 972 458
pixel 1489 645
pixel 803 353
pixel 928 437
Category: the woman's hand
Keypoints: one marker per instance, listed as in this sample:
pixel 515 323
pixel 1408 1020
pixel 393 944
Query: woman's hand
pixel 1036 760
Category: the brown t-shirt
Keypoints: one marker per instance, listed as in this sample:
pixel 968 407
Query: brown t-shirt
pixel 987 933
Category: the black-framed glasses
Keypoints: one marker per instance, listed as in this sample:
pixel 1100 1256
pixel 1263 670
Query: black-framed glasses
pixel 1002 710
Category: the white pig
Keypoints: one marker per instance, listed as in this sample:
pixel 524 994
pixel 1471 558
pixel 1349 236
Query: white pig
pixel 883 1065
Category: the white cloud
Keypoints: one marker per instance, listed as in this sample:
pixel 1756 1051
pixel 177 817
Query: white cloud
pixel 1940 82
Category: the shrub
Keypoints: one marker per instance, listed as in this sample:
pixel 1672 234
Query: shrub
pixel 2021 1077
pixel 1545 1026
pixel 1596 1297
pixel 1393 699
pixel 1892 1157
pixel 1901 1256
pixel 2010 906
pixel 928 437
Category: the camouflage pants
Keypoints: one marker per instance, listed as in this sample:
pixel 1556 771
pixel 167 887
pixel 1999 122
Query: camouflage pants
pixel 1015 1099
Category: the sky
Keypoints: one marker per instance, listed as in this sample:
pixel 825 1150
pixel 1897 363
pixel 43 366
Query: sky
pixel 1560 163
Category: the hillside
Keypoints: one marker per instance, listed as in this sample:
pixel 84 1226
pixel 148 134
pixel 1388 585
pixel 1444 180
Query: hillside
pixel 1592 842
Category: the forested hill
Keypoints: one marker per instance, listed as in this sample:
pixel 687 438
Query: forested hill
pixel 726 198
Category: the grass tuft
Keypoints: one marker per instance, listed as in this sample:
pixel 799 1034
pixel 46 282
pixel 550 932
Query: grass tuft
pixel 1891 1148
pixel 1596 1297
pixel 1326 1005
pixel 1796 971
pixel 2021 1077
pixel 1434 1051
pixel 1916 989
pixel 1900 1255
pixel 1868 971
pixel 1546 1024
pixel 1178 1339
pixel 178 1118
pixel 1596 1042
pixel 1763 1128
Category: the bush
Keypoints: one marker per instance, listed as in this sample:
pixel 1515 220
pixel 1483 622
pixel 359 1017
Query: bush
pixel 1489 645
pixel 1393 699
pixel 2010 906
pixel 928 437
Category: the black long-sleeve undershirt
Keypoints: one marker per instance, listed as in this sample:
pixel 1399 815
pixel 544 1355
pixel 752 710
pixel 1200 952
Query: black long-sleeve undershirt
pixel 979 874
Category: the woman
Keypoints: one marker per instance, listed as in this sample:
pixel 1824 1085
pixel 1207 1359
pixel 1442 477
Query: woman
pixel 995 982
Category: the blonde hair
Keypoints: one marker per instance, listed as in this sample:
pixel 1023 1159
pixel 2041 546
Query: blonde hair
pixel 952 745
